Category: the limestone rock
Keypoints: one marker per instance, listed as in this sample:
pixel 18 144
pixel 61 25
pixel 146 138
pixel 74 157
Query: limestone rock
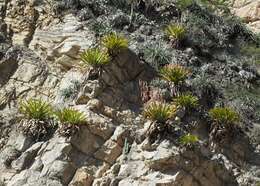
pixel 59 39
pixel 109 152
pixel 87 142
pixel 82 178
pixel 249 11
pixel 21 20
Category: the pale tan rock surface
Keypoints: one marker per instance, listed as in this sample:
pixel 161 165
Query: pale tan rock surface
pixel 249 11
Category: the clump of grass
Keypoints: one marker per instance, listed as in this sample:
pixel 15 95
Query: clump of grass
pixel 95 57
pixel 189 140
pixel 174 73
pixel 69 115
pixel 225 116
pixel 159 112
pixel 114 43
pixel 186 101
pixel 36 109
pixel 176 33
pixel 224 126
pixel 70 119
pixel 37 119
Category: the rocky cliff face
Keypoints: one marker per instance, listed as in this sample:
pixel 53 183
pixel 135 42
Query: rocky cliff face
pixel 40 47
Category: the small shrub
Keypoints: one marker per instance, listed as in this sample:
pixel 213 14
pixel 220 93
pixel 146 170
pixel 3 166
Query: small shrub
pixel 95 57
pixel 36 109
pixel 71 90
pixel 189 140
pixel 176 33
pixel 70 120
pixel 159 112
pixel 226 116
pixel 37 122
pixel 174 73
pixel 71 116
pixel 157 56
pixel 114 43
pixel 101 28
pixel 187 101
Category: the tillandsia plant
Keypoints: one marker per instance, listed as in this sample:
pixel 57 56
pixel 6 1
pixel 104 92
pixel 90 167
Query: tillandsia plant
pixel 70 121
pixel 176 33
pixel 95 57
pixel 224 116
pixel 187 101
pixel 189 140
pixel 114 43
pixel 174 73
pixel 159 113
pixel 224 123
pixel 37 118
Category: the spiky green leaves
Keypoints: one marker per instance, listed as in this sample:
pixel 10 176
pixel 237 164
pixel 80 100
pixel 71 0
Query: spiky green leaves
pixel 189 140
pixel 187 101
pixel 114 43
pixel 226 116
pixel 95 57
pixel 36 109
pixel 174 73
pixel 175 32
pixel 70 116
pixel 159 112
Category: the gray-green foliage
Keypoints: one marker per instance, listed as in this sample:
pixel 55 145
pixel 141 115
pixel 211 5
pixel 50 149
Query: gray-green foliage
pixel 159 83
pixel 101 28
pixel 210 4
pixel 126 147
pixel 157 55
pixel 71 90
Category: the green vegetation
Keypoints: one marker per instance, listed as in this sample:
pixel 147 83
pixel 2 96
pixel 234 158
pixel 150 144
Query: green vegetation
pixel 159 112
pixel 70 116
pixel 36 109
pixel 189 140
pixel 174 73
pixel 101 28
pixel 183 4
pixel 187 101
pixel 157 56
pixel 210 4
pixel 71 90
pixel 226 116
pixel 176 33
pixel 253 52
pixel 95 57
pixel 114 43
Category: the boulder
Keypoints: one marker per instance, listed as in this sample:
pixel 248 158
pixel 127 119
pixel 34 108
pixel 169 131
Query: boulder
pixel 82 178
